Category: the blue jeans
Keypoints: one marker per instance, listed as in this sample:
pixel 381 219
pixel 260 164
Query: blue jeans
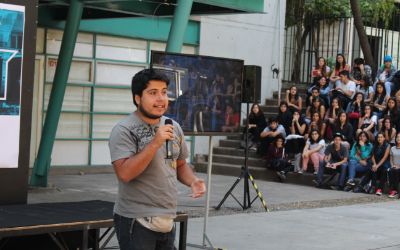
pixel 356 167
pixel 133 236
pixel 342 177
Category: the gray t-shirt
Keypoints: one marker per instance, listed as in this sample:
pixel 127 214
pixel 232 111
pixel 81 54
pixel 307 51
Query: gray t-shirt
pixel 153 192
pixel 395 153
pixel 337 156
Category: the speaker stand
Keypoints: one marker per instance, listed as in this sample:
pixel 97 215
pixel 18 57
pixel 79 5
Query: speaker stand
pixel 246 176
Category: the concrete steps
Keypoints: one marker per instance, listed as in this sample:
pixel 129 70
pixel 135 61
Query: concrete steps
pixel 228 157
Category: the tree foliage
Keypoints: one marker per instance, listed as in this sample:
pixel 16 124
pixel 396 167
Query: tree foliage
pixel 372 10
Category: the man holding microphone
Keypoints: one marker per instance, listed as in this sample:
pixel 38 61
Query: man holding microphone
pixel 148 153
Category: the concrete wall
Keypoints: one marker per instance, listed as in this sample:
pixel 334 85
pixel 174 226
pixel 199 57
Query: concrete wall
pixel 254 38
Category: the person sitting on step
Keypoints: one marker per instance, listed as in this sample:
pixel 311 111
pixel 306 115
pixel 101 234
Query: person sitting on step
pixel 335 157
pixel 314 150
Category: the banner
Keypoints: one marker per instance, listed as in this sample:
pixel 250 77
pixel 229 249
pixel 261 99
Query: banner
pixel 12 18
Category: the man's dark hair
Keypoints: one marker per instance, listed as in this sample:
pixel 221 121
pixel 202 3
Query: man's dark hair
pixel 359 61
pixel 273 119
pixel 338 135
pixel 141 79
pixel 344 73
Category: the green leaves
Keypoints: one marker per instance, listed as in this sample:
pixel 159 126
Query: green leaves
pixel 372 11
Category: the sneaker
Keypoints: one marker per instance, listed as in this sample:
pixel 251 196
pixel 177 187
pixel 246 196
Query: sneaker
pixel 253 148
pixel 315 172
pixel 281 175
pixel 300 171
pixel 378 192
pixel 392 193
pixel 350 183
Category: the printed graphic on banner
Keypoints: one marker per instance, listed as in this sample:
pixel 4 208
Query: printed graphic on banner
pixel 12 21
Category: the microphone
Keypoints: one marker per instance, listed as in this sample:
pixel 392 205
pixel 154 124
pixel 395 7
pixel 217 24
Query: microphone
pixel 169 151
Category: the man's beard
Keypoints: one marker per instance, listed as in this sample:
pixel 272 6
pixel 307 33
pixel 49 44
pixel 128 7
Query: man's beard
pixel 147 114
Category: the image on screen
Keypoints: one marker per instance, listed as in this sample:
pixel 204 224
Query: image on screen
pixel 204 92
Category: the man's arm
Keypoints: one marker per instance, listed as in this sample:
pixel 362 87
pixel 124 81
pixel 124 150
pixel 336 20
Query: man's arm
pixel 187 177
pixel 128 169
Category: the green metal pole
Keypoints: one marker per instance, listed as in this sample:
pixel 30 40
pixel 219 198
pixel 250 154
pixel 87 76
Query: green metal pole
pixel 42 162
pixel 178 26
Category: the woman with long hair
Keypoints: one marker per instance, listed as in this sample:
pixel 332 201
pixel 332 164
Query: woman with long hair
pixel 388 130
pixel 394 171
pixel 293 100
pixel 316 106
pixel 321 69
pixel 392 111
pixel 317 123
pixel 377 174
pixel 366 88
pixel 284 116
pixel 367 122
pixel 360 154
pixel 295 141
pixel 331 116
pixel 343 127
pixel 314 150
pixel 257 123
pixel 379 100
pixel 339 66
pixel 355 109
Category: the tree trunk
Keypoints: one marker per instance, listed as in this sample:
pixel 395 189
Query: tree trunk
pixel 299 17
pixel 358 23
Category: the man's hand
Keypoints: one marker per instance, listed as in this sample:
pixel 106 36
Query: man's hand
pixel 164 132
pixel 198 188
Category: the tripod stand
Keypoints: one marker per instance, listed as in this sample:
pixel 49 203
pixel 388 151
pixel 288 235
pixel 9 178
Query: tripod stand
pixel 245 174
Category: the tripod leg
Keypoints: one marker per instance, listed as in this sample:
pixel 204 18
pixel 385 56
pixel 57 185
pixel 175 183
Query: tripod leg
pixel 259 194
pixel 230 191
pixel 246 193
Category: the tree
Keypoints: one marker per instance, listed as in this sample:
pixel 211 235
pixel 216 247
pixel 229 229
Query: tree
pixel 305 14
pixel 373 11
pixel 358 23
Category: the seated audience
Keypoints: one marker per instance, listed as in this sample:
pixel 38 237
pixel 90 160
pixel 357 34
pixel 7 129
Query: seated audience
pixel 296 140
pixel 385 74
pixel 317 124
pixel 294 100
pixel 388 130
pixel 360 154
pixel 257 123
pixel 360 70
pixel 343 127
pixel 340 65
pixel 316 106
pixel 335 157
pixel 345 89
pixel 366 89
pixel 379 100
pixel 269 134
pixel 331 117
pixel 284 116
pixel 394 172
pixel 377 174
pixel 367 123
pixel 393 112
pixel 355 109
pixel 314 150
pixel 277 159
